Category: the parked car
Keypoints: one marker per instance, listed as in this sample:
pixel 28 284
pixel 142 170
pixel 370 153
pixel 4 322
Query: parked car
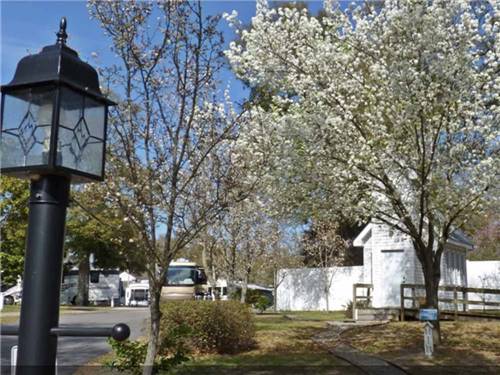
pixel 12 295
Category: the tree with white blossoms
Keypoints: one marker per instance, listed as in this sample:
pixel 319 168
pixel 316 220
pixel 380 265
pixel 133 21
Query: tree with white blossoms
pixel 167 128
pixel 389 112
pixel 247 237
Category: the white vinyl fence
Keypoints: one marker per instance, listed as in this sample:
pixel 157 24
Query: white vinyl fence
pixel 303 289
pixel 483 274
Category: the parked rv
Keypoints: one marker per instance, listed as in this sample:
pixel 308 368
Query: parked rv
pixel 137 294
pixel 185 280
pixel 105 287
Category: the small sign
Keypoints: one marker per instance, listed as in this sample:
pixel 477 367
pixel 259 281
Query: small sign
pixel 428 314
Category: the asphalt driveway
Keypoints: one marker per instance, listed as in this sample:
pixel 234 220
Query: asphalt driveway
pixel 74 352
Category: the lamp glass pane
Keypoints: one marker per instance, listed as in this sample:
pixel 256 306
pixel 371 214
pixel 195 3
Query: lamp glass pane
pixel 80 145
pixel 26 127
pixel 95 115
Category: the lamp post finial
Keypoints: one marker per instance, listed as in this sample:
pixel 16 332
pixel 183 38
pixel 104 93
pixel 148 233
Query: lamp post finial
pixel 62 35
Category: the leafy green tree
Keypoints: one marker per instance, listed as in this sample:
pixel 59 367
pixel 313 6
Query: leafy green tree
pixel 95 228
pixel 98 230
pixel 14 197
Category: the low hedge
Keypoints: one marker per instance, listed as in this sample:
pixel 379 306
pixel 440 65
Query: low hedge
pixel 215 326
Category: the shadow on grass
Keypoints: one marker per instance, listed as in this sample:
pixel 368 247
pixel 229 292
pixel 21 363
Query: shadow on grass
pixel 283 346
pixel 467 347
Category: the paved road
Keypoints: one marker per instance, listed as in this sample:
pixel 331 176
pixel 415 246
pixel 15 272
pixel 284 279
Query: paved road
pixel 77 351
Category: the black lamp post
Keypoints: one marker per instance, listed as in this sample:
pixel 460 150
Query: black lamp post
pixel 53 132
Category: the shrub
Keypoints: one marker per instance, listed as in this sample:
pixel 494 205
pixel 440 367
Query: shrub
pixel 262 304
pixel 216 326
pixel 130 355
pixel 253 296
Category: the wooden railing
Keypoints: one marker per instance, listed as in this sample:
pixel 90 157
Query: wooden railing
pixel 356 297
pixel 418 299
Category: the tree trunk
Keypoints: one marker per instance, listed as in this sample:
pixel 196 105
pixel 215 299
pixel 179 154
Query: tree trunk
pixel 154 330
pixel 327 299
pixel 431 295
pixel 275 291
pixel 431 267
pixel 326 288
pixel 244 287
pixel 208 270
pixel 82 297
pixel 213 271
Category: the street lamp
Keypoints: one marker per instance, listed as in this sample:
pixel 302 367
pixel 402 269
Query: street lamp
pixel 54 116
pixel 53 132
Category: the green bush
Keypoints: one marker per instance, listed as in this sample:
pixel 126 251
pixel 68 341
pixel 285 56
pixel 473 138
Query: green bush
pixel 253 296
pixel 216 326
pixel 130 355
pixel 262 304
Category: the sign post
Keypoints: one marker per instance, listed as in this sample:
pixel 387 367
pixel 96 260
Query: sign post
pixel 428 315
pixel 428 342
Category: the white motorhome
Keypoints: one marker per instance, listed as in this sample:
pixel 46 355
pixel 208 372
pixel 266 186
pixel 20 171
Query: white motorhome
pixel 185 280
pixel 105 287
pixel 137 294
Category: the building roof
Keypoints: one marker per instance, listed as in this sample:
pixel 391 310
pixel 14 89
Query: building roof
pixel 457 237
pixel 460 238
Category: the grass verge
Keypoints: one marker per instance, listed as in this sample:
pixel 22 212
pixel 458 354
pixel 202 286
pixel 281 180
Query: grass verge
pixel 322 316
pixel 465 343
pixel 283 345
pixel 10 313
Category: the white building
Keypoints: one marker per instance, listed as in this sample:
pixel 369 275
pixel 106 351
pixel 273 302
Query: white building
pixel 389 260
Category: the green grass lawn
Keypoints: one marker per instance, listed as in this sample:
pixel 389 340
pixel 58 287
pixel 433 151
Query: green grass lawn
pixel 316 315
pixel 10 308
pixel 10 313
pixel 283 346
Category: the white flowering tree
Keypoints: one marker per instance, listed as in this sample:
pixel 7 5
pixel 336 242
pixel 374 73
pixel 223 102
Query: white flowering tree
pixel 388 112
pixel 248 236
pixel 166 131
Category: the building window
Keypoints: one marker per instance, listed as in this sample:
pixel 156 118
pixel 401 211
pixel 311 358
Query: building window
pixel 94 277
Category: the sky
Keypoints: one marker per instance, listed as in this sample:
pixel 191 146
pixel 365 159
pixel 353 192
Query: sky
pixel 27 26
